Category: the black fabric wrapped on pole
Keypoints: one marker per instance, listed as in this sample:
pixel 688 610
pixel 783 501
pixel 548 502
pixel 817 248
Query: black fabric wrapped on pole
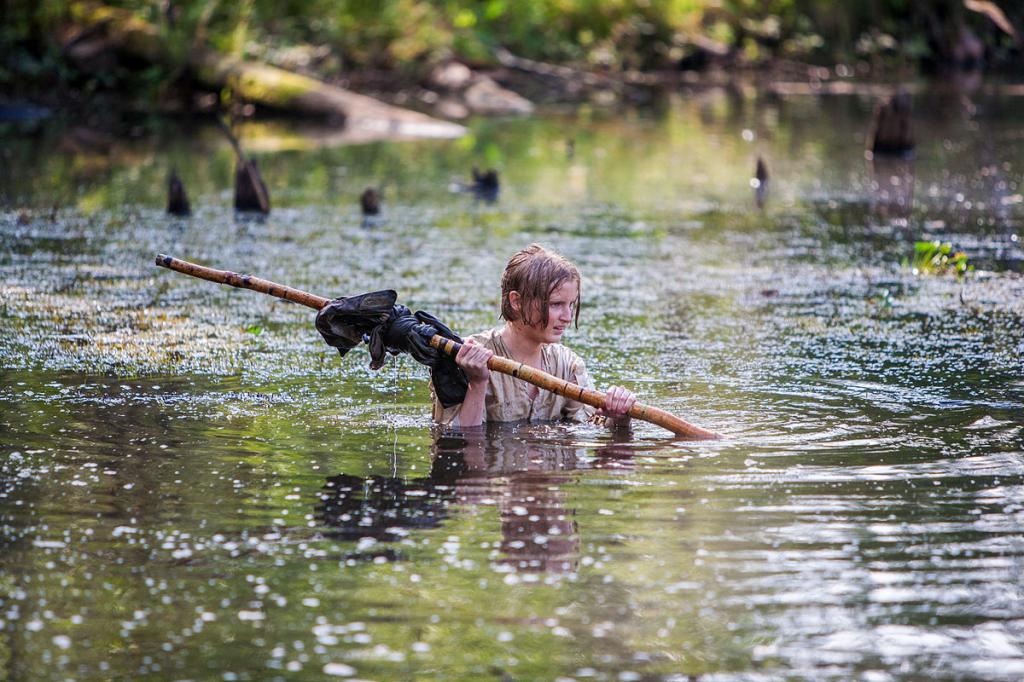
pixel 388 327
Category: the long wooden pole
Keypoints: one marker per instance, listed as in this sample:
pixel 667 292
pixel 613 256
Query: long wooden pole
pixel 497 363
pixel 549 382
pixel 264 286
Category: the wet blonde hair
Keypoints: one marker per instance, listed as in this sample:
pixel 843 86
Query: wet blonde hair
pixel 535 272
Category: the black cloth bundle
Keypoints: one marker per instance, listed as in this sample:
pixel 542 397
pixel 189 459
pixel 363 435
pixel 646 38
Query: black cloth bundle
pixel 389 327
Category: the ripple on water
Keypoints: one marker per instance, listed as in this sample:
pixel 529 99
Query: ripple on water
pixel 191 466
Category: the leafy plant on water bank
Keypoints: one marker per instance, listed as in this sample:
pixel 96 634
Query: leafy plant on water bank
pixel 936 258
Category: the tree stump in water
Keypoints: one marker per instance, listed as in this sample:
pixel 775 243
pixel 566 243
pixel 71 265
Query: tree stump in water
pixel 760 182
pixel 369 200
pixel 890 131
pixel 485 185
pixel 250 190
pixel 177 199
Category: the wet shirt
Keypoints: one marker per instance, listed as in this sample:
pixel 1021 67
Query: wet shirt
pixel 508 399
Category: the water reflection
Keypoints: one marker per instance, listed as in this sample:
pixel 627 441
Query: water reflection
pixel 520 471
pixel 892 187
pixel 523 478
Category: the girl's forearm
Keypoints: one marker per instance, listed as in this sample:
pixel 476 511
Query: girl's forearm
pixel 473 407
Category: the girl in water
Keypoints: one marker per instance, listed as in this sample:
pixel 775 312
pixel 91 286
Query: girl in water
pixel 540 298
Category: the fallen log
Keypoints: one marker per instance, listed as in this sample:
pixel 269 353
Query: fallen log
pixel 259 83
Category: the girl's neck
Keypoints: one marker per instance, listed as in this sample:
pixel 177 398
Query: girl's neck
pixel 521 344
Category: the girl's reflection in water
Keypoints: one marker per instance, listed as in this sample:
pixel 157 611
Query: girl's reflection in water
pixel 520 471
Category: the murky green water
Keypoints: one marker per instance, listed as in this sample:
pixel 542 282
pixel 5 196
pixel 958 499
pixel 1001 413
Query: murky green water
pixel 194 486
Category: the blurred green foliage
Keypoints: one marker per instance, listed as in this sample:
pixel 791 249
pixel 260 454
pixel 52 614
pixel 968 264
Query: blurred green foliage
pixel 331 36
pixel 936 258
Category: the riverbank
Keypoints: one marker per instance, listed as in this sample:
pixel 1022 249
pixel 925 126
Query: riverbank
pixel 459 59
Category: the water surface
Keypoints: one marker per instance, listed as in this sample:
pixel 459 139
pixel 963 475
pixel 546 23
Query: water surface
pixel 194 486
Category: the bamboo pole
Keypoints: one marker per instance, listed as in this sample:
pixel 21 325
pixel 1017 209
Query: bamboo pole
pixel 497 363
pixel 264 286
pixel 549 382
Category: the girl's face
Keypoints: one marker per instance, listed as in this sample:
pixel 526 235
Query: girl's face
pixel 561 310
